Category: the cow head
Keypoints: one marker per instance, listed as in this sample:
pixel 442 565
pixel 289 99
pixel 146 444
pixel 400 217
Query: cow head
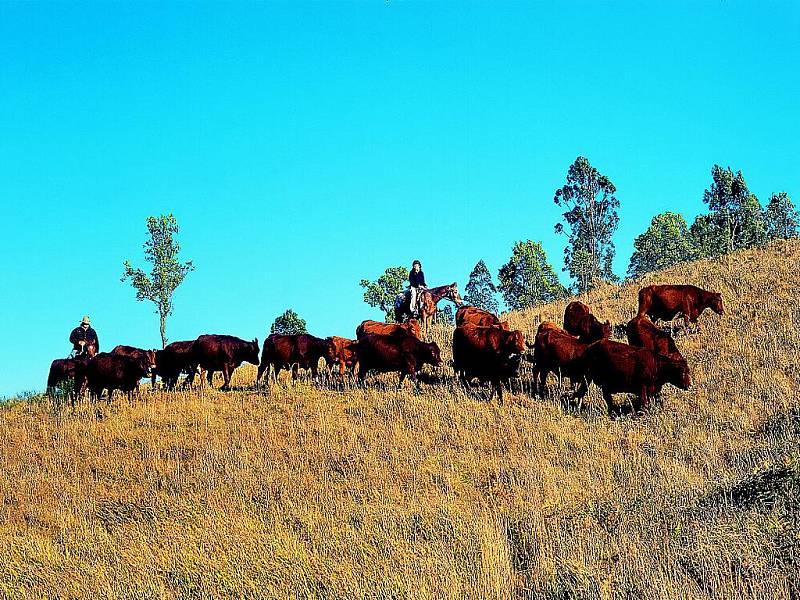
pixel 514 343
pixel 330 354
pixel 431 354
pixel 716 303
pixel 151 360
pixel 677 372
pixel 251 352
pixel 413 328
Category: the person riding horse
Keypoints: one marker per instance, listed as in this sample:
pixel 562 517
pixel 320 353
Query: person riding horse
pixel 417 280
pixel 82 336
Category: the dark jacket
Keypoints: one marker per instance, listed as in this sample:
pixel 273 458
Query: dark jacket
pixel 417 279
pixel 80 335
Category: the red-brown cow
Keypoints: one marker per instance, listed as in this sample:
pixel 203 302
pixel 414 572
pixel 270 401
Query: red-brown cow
pixel 223 353
pixel 345 355
pixel 394 353
pixel 559 352
pixel 138 354
pixel 108 371
pixel 668 301
pixel 580 322
pixel 174 359
pixel 293 352
pixel 65 369
pixel 472 315
pixel 488 354
pixel 410 327
pixel 622 369
pixel 644 334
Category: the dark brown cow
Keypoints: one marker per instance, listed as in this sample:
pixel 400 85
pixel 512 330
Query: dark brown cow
pixel 295 351
pixel 108 371
pixel 345 355
pixel 472 315
pixel 394 353
pixel 223 353
pixel 559 352
pixel 65 369
pixel 488 354
pixel 644 334
pixel 174 359
pixel 410 327
pixel 622 369
pixel 580 322
pixel 139 354
pixel 668 301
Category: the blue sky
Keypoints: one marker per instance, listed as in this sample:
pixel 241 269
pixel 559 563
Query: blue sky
pixel 305 146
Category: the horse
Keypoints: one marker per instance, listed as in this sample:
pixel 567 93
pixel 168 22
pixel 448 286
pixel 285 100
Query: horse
pixel 427 300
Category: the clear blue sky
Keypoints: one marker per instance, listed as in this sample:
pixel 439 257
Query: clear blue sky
pixel 305 146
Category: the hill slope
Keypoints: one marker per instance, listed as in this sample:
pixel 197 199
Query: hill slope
pixel 374 493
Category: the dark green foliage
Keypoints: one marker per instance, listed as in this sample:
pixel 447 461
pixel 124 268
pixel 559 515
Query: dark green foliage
pixel 527 279
pixel 161 250
pixel 781 217
pixel 288 323
pixel 384 290
pixel 666 242
pixel 445 316
pixel 735 219
pixel 480 290
pixel 591 216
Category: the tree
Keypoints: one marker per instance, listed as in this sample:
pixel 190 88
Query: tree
pixel 705 235
pixel 161 250
pixel 666 242
pixel 781 217
pixel 444 316
pixel 384 290
pixel 288 323
pixel 591 215
pixel 734 212
pixel 527 279
pixel 480 290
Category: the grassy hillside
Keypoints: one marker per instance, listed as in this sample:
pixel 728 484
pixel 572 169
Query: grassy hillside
pixel 373 493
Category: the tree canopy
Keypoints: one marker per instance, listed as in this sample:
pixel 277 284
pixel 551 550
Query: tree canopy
pixel 289 323
pixel 383 291
pixel 527 279
pixel 480 290
pixel 666 241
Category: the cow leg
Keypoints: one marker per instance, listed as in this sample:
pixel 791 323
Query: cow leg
pixel 402 378
pixel 226 377
pixel 613 411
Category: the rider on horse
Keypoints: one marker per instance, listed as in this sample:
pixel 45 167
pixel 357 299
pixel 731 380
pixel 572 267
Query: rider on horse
pixel 417 280
pixel 82 336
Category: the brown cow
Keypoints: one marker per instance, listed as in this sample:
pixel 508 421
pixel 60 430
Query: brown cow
pixel 148 356
pixel 115 372
pixel 345 355
pixel 559 352
pixel 472 315
pixel 622 369
pixel 394 353
pixel 65 369
pixel 410 327
pixel 173 360
pixel 644 334
pixel 295 351
pixel 667 301
pixel 580 322
pixel 488 354
pixel 223 353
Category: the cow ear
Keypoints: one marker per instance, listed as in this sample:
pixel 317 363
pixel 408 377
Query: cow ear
pixel 255 341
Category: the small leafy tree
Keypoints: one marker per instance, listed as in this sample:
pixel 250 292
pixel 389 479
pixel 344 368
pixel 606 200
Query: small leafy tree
pixel 480 290
pixel 527 279
pixel 591 216
pixel 734 211
pixel 161 250
pixel 288 323
pixel 781 217
pixel 445 316
pixel 384 290
pixel 665 243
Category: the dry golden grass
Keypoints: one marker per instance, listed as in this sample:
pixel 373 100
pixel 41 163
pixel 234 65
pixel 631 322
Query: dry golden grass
pixel 302 492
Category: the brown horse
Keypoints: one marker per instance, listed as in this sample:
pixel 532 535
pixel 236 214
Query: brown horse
pixel 426 304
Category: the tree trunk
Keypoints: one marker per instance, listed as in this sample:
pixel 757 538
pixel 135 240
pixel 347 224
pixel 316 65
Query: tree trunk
pixel 163 329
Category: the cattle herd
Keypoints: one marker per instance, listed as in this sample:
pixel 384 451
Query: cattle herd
pixel 484 349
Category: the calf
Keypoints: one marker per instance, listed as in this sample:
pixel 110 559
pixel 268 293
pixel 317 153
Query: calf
pixel 580 322
pixel 394 353
pixel 223 353
pixel 644 334
pixel 410 327
pixel 622 369
pixel 472 315
pixel 174 359
pixel 294 352
pixel 345 355
pixel 557 351
pixel 668 301
pixel 115 372
pixel 488 354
